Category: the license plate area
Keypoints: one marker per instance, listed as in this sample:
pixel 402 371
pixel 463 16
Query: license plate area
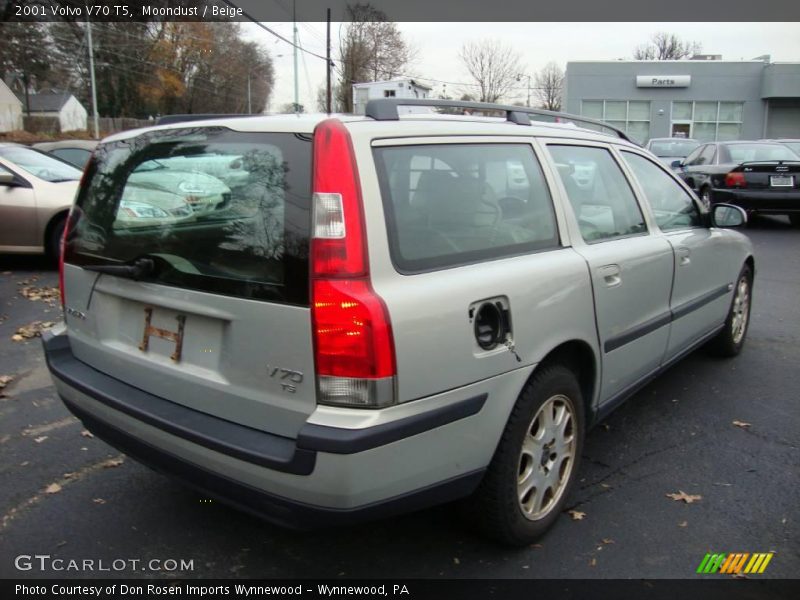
pixel 781 181
pixel 165 334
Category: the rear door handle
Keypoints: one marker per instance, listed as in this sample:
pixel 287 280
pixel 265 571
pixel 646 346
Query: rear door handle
pixel 684 256
pixel 611 275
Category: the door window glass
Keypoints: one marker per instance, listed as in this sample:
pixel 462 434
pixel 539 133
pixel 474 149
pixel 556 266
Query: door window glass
pixel 599 193
pixel 672 206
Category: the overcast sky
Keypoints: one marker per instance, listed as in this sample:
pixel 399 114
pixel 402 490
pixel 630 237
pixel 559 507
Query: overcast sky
pixel 437 46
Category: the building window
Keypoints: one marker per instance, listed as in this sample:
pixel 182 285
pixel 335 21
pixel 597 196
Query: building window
pixel 711 121
pixel 388 93
pixel 631 116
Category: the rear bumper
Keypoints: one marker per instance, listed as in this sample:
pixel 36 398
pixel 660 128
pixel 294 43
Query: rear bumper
pixel 327 476
pixel 776 202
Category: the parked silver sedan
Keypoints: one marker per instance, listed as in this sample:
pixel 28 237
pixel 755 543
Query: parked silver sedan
pixel 36 193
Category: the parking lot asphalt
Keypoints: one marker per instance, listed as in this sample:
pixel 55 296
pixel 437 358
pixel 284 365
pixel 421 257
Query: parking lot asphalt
pixel 73 497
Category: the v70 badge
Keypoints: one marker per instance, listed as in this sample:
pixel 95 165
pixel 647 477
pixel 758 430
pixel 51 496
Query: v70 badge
pixel 288 378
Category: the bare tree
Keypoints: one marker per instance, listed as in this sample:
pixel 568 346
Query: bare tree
pixel 494 67
pixel 666 46
pixel 549 86
pixel 371 49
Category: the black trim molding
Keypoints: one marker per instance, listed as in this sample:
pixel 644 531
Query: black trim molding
pixel 338 440
pixel 643 329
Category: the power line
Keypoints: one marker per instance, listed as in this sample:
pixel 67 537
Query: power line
pixel 276 34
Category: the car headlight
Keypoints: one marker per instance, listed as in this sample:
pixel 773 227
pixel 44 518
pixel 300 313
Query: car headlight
pixel 142 210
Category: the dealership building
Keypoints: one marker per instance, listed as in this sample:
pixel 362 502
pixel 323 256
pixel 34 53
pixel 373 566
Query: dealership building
pixel 704 98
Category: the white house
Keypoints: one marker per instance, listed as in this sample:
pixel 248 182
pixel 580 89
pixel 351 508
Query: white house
pixel 403 87
pixel 10 109
pixel 71 113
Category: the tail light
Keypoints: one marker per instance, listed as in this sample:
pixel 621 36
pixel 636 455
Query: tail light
pixel 735 179
pixel 353 343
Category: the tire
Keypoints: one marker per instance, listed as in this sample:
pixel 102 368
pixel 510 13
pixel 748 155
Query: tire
pixel 706 197
pixel 730 340
pixel 794 220
pixel 501 507
pixel 54 240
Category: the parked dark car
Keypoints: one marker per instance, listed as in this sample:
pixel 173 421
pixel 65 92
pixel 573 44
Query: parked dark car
pixel 760 177
pixel 668 150
pixel 75 152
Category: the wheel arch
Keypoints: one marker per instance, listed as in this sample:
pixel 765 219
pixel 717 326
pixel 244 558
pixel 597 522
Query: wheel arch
pixel 578 356
pixel 51 224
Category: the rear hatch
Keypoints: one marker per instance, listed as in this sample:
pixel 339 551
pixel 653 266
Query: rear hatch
pixel 186 271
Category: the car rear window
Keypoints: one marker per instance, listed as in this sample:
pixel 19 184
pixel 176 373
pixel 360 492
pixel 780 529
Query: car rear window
pixel 451 204
pixel 757 152
pixel 216 210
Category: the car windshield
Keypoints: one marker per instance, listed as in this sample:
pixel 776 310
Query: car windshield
pixel 755 152
pixel 40 165
pixel 677 148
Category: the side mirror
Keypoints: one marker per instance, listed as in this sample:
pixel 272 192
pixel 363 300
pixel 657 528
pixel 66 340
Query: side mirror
pixel 6 178
pixel 728 215
pixel 676 164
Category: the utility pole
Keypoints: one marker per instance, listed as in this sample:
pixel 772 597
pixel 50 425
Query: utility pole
pixel 94 83
pixel 296 87
pixel 519 78
pixel 328 67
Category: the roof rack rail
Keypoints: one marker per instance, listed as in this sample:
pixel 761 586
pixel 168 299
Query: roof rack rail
pixel 385 109
pixel 169 119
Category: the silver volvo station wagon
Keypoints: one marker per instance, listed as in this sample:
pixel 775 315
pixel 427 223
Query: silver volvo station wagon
pixel 373 314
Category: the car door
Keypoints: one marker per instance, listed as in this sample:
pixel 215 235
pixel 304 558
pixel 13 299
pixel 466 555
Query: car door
pixel 701 281
pixel 630 268
pixel 17 213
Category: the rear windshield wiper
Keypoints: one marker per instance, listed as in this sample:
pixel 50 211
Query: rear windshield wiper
pixel 141 267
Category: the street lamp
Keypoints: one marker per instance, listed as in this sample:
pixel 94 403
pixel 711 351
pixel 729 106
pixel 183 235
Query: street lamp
pixel 519 78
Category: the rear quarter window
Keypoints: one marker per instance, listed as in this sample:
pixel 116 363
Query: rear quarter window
pixel 453 204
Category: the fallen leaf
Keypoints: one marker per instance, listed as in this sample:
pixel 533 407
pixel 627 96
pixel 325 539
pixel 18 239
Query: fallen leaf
pixel 576 515
pixel 53 488
pixel 31 330
pixel 99 501
pixel 742 424
pixel 40 439
pixel 605 485
pixel 24 463
pixel 608 541
pixel 593 562
pixel 683 524
pixel 113 462
pixel 51 295
pixel 456 561
pixel 687 498
pixel 87 434
pixel 5 380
